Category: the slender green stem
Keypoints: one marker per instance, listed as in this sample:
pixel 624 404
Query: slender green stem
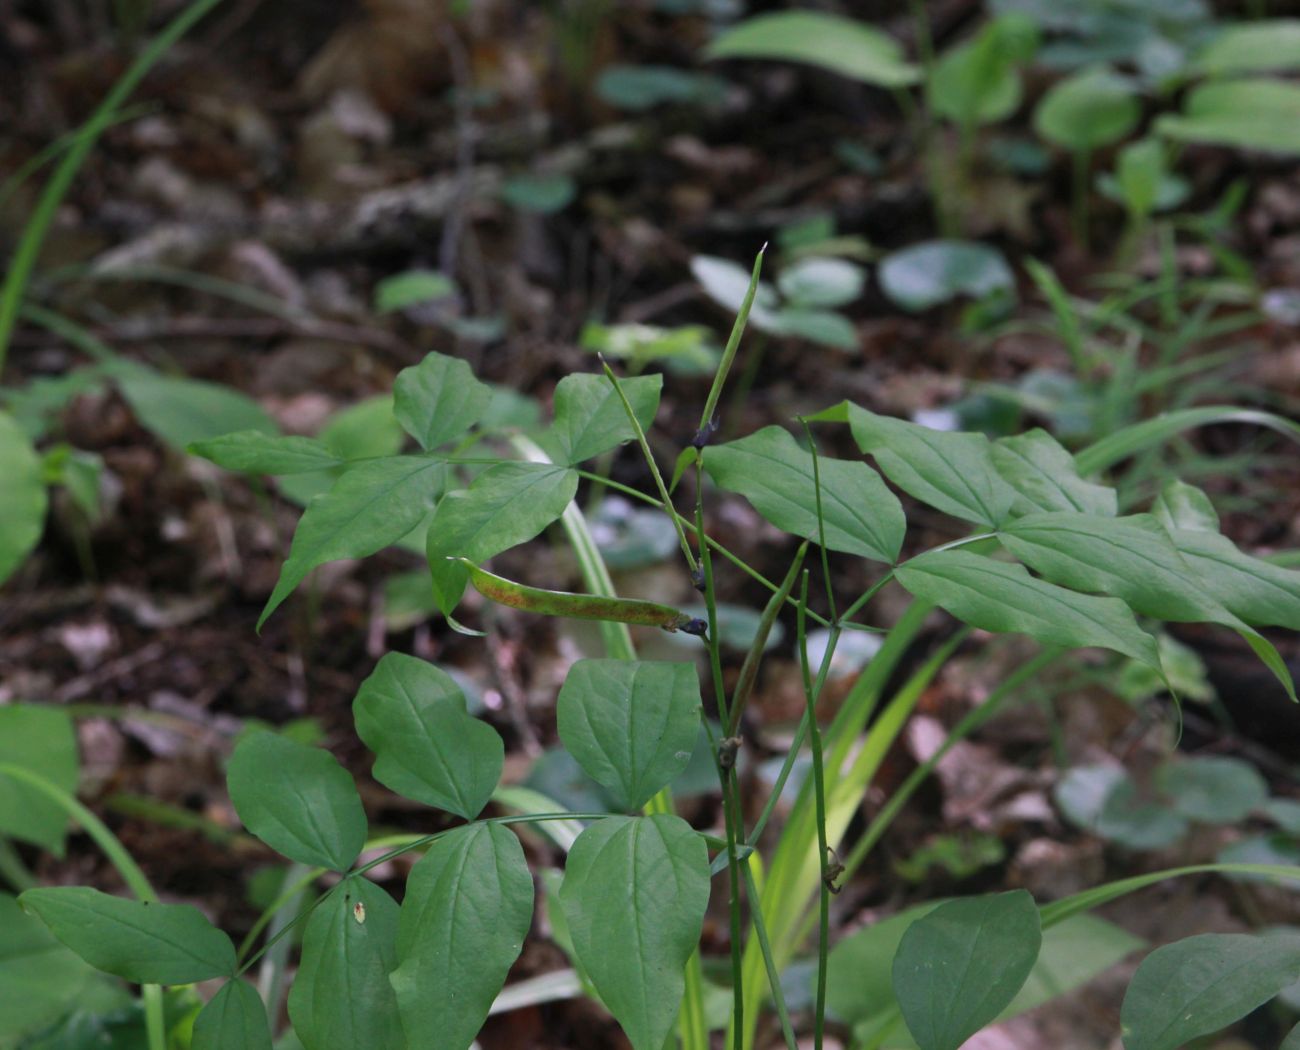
pixel 664 497
pixel 120 858
pixel 819 796
pixel 778 787
pixel 12 868
pixel 270 977
pixel 726 769
pixel 753 658
pixel 729 353
pixel 769 961
pixel 47 206
pixel 709 541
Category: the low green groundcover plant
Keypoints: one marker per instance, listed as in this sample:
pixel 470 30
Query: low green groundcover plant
pixel 1040 551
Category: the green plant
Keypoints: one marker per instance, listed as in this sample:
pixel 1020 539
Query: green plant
pixel 638 878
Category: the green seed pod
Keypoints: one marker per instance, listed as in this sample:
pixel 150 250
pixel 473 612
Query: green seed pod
pixel 575 606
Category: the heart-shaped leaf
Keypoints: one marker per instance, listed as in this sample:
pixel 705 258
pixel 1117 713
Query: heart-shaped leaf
pixel 413 716
pixel 959 966
pixel 468 907
pixel 634 894
pixel 234 1019
pixel 143 941
pixel 631 724
pixel 298 800
pixel 341 998
pixel 439 399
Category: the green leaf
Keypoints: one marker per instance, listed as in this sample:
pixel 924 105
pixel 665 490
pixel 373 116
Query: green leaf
pixel 439 399
pixel 234 1019
pixel 297 799
pixel 256 452
pixel 1201 984
pixel 1103 799
pixel 590 418
pixel 468 907
pixel 824 327
pixel 411 288
pixel 371 506
pixel 143 941
pixel 631 724
pixel 770 470
pixel 634 895
pixel 22 497
pixel 1258 591
pixel 1211 789
pixel 958 967
pixel 1044 475
pixel 859 981
pixel 1251 47
pixel 976 82
pixel 365 430
pixel 1184 506
pixel 1133 559
pixel 543 194
pixel 996 596
pixel 184 411
pixel 841 45
pixel 1258 114
pixel 40 979
pixel 1073 953
pixel 506 505
pixel 341 998
pixel 953 472
pixel 925 275
pixel 42 739
pixel 821 282
pixel 1094 108
pixel 413 716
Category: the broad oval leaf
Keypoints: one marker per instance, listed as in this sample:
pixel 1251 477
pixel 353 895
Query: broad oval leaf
pixel 925 275
pixel 467 910
pixel 590 417
pixel 631 724
pixel 841 45
pixel 413 716
pixel 1251 47
pixel 1201 984
pixel 1258 113
pixel 184 411
pixel 298 800
pixel 256 452
pixel 951 471
pixel 506 505
pixel 770 470
pixel 976 82
pixel 234 1019
pixel 439 399
pixel 341 998
pixel 634 894
pixel 1213 789
pixel 42 739
pixel 821 281
pixel 996 596
pixel 22 496
pixel 143 941
pixel 1043 473
pixel 1092 109
pixel 958 967
pixel 371 506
